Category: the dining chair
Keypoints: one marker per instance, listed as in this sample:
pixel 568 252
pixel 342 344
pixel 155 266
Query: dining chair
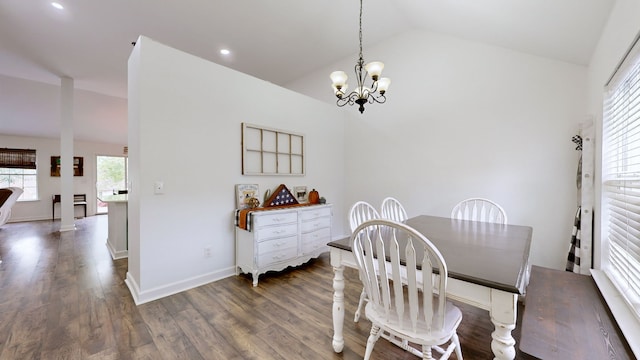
pixel 407 300
pixel 479 209
pixel 360 212
pixel 8 197
pixel 392 209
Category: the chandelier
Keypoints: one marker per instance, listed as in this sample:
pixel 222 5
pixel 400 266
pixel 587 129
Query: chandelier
pixel 362 94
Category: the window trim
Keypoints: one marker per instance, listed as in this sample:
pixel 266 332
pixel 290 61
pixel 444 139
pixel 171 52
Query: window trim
pixel 625 318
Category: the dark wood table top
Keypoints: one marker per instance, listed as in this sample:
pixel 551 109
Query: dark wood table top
pixel 487 254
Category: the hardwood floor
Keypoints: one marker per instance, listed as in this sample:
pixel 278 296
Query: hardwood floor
pixel 63 297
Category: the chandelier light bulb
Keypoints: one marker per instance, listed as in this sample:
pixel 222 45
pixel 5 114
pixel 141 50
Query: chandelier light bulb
pixel 374 69
pixel 339 79
pixel 383 85
pixel 363 92
pixel 341 91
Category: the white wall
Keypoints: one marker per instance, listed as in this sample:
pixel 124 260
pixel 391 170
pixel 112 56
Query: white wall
pixel 49 185
pixel 185 118
pixel 467 119
pixel 616 39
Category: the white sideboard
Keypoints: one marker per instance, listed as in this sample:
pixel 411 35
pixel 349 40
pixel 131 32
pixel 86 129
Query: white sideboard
pixel 282 238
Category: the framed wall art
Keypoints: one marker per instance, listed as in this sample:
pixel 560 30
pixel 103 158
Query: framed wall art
pixel 244 192
pixel 78 166
pixel 301 194
pixel 267 151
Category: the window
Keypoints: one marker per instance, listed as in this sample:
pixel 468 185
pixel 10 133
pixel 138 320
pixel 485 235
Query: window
pixel 18 169
pixel 621 181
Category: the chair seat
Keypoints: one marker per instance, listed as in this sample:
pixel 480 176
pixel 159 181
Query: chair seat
pixel 453 317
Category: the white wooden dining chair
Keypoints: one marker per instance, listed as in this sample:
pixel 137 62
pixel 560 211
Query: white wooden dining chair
pixel 407 301
pixel 392 209
pixel 360 212
pixel 479 209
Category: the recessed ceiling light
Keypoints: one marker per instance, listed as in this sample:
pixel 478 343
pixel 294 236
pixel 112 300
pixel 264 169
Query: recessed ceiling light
pixel 57 5
pixel 225 51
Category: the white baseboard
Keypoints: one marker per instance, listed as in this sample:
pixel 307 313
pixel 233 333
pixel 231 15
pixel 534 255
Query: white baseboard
pixel 141 297
pixel 115 255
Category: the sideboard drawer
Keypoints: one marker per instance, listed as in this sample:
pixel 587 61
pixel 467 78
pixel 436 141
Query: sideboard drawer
pixel 270 232
pixel 315 224
pixel 317 236
pixel 315 240
pixel 312 247
pixel 278 244
pixel 276 256
pixel 274 219
pixel 315 213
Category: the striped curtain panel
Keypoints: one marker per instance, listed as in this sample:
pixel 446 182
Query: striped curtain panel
pixel 573 259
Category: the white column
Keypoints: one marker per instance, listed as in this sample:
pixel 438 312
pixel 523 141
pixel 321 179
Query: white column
pixel 67 222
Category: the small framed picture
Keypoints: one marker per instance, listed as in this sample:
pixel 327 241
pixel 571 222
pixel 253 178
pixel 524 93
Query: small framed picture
pixel 301 194
pixel 244 192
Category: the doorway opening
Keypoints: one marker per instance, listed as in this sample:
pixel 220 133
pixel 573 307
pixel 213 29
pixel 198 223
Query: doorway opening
pixel 111 178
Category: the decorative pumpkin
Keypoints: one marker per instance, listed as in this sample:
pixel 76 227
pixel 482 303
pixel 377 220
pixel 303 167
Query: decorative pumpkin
pixel 314 197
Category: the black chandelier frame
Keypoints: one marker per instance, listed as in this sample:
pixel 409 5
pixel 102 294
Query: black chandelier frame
pixel 361 95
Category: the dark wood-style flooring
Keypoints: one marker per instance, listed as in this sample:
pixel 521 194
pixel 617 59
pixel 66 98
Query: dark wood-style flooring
pixel 63 297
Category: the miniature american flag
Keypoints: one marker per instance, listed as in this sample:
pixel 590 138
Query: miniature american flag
pixel 283 197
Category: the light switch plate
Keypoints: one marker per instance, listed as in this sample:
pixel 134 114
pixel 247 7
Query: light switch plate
pixel 158 187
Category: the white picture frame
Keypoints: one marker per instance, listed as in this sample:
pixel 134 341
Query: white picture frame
pixel 301 194
pixel 244 192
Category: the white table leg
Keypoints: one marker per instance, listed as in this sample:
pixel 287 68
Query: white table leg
pixel 338 308
pixel 503 316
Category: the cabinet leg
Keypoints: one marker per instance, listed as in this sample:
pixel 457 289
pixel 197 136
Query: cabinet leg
pixel 255 278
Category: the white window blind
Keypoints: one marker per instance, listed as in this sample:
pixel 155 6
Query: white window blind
pixel 621 181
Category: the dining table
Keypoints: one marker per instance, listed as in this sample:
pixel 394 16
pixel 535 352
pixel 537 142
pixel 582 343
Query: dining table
pixel 488 268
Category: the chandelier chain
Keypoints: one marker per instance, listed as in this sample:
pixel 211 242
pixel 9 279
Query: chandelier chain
pixel 360 33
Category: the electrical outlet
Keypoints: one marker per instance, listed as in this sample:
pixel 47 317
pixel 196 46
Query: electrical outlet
pixel 207 252
pixel 158 188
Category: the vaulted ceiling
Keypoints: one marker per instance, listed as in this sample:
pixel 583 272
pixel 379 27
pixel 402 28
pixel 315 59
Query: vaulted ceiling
pixel 275 40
